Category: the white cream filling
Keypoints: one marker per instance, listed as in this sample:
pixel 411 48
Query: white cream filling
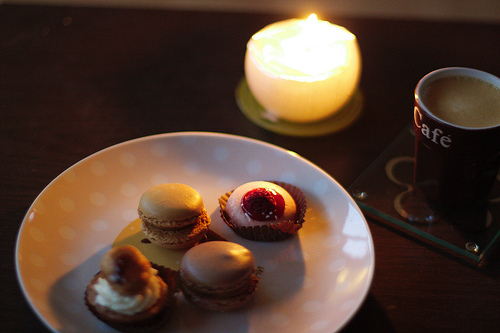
pixel 128 305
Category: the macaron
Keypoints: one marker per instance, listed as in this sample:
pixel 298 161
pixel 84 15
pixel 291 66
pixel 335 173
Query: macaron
pixel 218 275
pixel 173 215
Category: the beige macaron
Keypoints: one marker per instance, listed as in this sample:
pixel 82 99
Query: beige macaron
pixel 173 215
pixel 218 275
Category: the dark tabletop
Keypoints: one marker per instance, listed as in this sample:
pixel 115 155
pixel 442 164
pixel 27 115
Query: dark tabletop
pixel 76 80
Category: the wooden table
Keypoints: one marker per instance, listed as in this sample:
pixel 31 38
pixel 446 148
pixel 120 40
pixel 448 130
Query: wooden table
pixel 77 80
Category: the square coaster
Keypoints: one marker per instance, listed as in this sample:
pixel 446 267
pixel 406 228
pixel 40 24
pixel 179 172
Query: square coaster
pixel 382 184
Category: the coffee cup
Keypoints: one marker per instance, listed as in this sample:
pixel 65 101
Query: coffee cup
pixel 457 139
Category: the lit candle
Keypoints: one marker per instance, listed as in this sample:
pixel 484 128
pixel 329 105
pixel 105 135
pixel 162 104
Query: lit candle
pixel 303 70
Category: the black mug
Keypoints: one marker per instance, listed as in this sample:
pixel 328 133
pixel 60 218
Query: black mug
pixel 457 137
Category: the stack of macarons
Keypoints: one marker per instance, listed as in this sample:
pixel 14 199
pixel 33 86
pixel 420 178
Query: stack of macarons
pixel 173 215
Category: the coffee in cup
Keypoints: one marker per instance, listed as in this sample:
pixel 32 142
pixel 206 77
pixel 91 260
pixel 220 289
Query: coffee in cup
pixel 463 101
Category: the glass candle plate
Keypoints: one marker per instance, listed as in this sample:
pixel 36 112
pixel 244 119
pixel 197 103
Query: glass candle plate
pixel 378 192
pixel 258 115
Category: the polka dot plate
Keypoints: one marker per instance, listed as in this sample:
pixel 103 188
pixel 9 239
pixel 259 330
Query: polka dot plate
pixel 315 281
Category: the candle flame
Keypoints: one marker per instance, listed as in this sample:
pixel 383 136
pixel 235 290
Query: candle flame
pixel 311 29
pixel 313 18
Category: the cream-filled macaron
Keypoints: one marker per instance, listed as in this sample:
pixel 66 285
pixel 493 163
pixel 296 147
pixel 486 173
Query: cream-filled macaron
pixel 173 215
pixel 130 293
pixel 218 275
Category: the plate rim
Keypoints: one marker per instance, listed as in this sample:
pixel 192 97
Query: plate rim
pixel 229 136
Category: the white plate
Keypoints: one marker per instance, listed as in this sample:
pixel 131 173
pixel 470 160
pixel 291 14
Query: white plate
pixel 315 281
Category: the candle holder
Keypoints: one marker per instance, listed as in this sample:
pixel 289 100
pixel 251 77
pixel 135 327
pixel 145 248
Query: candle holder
pixel 301 78
pixel 259 116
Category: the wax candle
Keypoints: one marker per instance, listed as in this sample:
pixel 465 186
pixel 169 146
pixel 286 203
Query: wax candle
pixel 302 70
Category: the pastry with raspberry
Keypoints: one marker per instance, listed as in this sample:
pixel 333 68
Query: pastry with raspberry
pixel 264 210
